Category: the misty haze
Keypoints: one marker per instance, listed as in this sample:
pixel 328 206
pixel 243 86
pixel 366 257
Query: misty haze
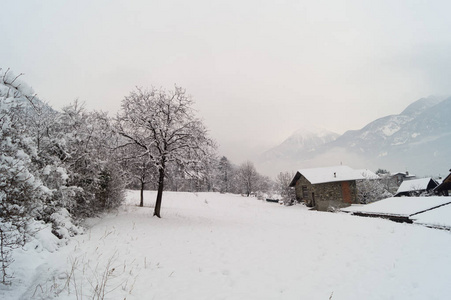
pixel 225 150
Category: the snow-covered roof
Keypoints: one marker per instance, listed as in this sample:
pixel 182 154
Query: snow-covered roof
pixel 399 206
pixel 331 174
pixel 414 185
pixel 405 174
pixel 368 174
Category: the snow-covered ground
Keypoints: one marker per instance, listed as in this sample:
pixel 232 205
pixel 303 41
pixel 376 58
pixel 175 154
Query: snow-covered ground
pixel 439 217
pixel 213 246
pixel 400 206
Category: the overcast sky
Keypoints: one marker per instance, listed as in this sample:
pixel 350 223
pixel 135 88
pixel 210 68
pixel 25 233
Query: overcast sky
pixel 258 70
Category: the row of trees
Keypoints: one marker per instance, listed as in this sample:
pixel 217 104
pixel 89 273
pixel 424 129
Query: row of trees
pixel 80 162
pixel 243 179
pixel 220 175
pixel 51 163
pixel 168 148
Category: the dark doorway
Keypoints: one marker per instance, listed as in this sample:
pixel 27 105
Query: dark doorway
pixel 346 191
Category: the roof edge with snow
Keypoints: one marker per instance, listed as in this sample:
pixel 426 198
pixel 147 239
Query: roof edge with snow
pixel 328 174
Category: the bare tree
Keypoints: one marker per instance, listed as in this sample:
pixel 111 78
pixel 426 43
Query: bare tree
pixel 248 177
pixel 163 126
pixel 283 181
pixel 139 167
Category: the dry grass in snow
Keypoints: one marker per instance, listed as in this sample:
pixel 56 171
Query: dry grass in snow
pixel 213 246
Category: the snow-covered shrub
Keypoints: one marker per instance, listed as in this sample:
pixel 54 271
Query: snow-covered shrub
pixel 370 190
pixel 11 237
pixel 62 224
pixel 21 190
pixel 87 177
pixel 110 193
pixel 40 237
pixel 53 165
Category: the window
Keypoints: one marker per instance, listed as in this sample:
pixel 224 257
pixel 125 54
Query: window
pixel 304 192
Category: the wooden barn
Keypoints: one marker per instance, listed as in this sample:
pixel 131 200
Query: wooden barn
pixel 416 187
pixel 327 188
pixel 444 188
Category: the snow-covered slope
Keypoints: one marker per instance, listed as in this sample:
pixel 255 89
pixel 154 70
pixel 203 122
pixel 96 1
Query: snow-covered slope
pixel 418 139
pixel 303 143
pixel 306 139
pixel 421 105
pixel 426 118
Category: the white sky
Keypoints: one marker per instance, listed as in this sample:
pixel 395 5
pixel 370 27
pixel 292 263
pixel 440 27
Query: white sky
pixel 258 70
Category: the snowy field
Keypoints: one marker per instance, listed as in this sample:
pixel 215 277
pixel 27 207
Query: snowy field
pixel 440 217
pixel 400 206
pixel 213 246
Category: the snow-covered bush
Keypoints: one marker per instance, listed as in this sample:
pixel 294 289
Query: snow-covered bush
pixel 11 237
pixel 84 171
pixel 371 190
pixel 21 190
pixel 62 224
pixel 53 166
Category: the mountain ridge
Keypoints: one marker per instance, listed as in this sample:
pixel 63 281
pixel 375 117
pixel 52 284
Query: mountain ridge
pixel 418 139
pixel 302 140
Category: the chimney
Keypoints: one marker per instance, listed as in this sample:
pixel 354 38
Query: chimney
pixel 335 175
pixel 407 173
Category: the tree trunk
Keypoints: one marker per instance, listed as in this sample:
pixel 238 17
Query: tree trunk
pixel 160 193
pixel 141 203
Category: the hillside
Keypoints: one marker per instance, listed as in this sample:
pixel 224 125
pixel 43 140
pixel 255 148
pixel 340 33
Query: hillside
pixel 302 144
pixel 418 139
pixel 304 140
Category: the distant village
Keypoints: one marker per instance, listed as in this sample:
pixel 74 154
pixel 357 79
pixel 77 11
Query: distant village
pixel 400 197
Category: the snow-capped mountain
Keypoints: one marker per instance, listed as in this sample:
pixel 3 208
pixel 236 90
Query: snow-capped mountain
pixel 301 145
pixel 423 122
pixel 418 139
pixel 304 140
pixel 426 118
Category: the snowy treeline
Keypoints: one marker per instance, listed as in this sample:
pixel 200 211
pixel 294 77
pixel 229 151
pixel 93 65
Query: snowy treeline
pixel 51 164
pixel 219 175
pixel 167 148
pixel 72 164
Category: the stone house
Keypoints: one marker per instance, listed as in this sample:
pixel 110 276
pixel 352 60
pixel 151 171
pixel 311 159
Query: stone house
pixel 399 177
pixel 327 188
